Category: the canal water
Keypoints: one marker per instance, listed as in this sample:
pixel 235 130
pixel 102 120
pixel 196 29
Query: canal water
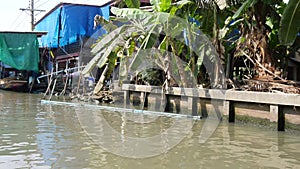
pixel 39 135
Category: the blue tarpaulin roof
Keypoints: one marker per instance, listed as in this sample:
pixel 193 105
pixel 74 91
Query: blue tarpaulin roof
pixel 69 22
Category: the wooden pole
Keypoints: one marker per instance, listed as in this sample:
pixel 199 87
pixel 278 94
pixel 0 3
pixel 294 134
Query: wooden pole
pixel 53 89
pixel 49 85
pixel 31 9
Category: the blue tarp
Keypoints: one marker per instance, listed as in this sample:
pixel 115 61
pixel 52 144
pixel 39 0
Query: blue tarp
pixel 69 22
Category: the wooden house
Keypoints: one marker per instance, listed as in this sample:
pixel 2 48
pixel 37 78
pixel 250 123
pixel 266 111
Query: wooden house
pixel 69 26
pixel 19 59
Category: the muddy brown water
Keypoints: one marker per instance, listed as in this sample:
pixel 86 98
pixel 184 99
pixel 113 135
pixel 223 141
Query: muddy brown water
pixel 36 135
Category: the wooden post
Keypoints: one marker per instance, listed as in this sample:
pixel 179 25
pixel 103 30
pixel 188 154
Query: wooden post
pixel 53 88
pixel 63 92
pixel 78 83
pixel 49 85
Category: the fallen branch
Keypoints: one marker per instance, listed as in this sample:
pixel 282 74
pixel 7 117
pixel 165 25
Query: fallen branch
pixel 261 66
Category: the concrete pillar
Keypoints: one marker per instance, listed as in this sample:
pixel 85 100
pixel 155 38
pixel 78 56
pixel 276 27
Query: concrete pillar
pixel 231 112
pixel 126 99
pixel 281 119
pixel 192 105
pixel 277 115
pixel 144 101
pixel 273 113
pixel 226 108
pixel 156 102
pixel 184 105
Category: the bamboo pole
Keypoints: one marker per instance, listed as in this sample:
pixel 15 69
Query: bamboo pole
pixel 53 89
pixel 65 86
pixel 78 84
pixel 49 85
pixel 67 78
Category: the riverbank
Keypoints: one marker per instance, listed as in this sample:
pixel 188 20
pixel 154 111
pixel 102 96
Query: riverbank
pixel 279 111
pixel 263 123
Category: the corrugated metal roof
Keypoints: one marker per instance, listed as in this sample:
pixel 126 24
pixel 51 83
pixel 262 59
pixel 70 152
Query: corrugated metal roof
pixel 39 34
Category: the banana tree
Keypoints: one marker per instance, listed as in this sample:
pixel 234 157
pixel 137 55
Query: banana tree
pixel 257 22
pixel 204 15
pixel 143 30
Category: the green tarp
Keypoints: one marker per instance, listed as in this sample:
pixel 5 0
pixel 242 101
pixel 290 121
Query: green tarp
pixel 19 50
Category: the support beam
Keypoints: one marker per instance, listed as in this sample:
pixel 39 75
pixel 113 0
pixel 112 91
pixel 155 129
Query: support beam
pixel 126 99
pixel 281 119
pixel 192 105
pixel 231 112
pixel 274 113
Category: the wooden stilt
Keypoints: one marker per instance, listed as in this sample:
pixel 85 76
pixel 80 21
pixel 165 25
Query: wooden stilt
pixel 78 84
pixel 65 86
pixel 49 85
pixel 52 89
pixel 31 86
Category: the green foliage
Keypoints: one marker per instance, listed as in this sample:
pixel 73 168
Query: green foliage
pixel 152 77
pixel 290 23
pixel 161 5
pixel 243 8
pixel 129 13
pixel 183 3
pixel 101 51
pixel 179 5
pixel 132 3
pixel 144 31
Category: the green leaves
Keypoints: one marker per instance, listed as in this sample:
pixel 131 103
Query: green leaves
pixel 182 3
pixel 129 12
pixel 161 5
pixel 106 46
pixel 244 7
pixel 145 39
pixel 290 23
pixel 132 3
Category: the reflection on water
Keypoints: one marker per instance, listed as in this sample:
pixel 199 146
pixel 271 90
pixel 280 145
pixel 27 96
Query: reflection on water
pixel 62 136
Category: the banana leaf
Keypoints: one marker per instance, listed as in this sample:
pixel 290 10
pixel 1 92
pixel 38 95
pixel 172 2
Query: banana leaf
pixel 160 5
pixel 133 3
pixel 130 13
pixel 244 7
pixel 107 39
pixel 290 23
pixel 105 49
